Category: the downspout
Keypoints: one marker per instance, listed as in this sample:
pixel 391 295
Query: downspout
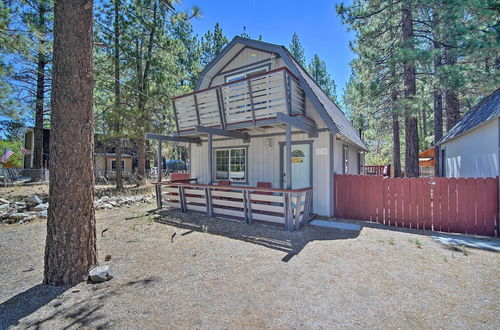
pixel 332 174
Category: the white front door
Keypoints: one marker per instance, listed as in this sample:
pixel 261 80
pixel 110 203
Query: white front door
pixel 301 166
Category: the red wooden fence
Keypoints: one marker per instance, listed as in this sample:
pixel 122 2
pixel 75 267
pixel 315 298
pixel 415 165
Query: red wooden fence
pixel 468 206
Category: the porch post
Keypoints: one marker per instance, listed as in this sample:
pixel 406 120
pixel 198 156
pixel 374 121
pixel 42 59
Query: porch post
pixel 210 162
pixel 288 156
pixel 158 187
pixel 159 161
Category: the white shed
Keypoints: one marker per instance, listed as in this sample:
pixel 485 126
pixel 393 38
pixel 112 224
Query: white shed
pixel 471 148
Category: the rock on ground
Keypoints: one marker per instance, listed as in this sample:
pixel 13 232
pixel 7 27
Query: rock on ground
pixel 33 200
pixel 101 274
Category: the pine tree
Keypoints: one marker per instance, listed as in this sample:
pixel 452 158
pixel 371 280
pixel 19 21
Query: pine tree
pixel 211 44
pixel 297 50
pixel 70 250
pixel 318 71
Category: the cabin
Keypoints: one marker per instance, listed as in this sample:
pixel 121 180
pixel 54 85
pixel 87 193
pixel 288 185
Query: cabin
pixel 258 126
pixel 426 162
pixel 470 149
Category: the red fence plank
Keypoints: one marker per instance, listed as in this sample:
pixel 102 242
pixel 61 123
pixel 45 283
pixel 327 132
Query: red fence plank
pixel 385 195
pixel 406 200
pixel 426 207
pixel 461 206
pixel 399 202
pixel 413 203
pixel 439 204
pixel 491 206
pixel 453 225
pixel 480 219
pixel 470 222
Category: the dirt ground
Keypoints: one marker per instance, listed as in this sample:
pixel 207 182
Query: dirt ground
pixel 17 193
pixel 222 274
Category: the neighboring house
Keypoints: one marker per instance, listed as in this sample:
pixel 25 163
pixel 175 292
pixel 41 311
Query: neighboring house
pixel 29 142
pixel 471 147
pixel 105 165
pixel 256 112
pixel 426 162
pixel 105 158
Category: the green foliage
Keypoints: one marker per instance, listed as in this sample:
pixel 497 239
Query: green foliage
pixel 211 44
pixel 318 71
pixel 461 36
pixel 297 50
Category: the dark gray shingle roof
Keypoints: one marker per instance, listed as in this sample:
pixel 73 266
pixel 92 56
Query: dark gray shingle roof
pixel 484 111
pixel 343 125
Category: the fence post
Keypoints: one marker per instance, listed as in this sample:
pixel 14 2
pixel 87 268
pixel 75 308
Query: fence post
pixel 208 199
pixel 182 199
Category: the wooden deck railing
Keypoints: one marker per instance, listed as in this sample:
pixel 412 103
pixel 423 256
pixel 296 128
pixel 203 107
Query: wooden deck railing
pixel 251 99
pixel 287 207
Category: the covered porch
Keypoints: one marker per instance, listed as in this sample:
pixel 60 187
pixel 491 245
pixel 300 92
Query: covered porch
pixel 287 208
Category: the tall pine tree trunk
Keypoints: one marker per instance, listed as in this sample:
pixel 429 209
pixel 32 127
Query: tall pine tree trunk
pixel 396 142
pixel 452 105
pixel 143 89
pixel 411 127
pixel 70 250
pixel 437 92
pixel 116 62
pixel 40 97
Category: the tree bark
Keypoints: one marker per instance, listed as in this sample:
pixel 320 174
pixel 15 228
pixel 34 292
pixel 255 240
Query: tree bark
pixel 143 89
pixel 437 92
pixel 70 250
pixel 452 105
pixel 396 142
pixel 411 127
pixel 40 97
pixel 117 117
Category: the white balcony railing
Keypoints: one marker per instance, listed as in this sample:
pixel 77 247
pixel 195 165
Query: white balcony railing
pixel 258 97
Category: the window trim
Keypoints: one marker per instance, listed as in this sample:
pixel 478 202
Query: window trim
pixel 345 159
pixel 214 160
pixel 114 161
pixel 246 72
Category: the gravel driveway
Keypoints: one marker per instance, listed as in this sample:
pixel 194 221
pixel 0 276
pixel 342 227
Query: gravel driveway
pixel 223 274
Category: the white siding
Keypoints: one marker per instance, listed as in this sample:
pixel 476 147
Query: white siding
pixel 475 153
pixel 246 57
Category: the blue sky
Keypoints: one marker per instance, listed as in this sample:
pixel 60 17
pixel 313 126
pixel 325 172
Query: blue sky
pixel 316 22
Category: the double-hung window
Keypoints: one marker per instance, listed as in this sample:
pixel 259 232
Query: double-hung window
pixel 231 164
pixel 113 165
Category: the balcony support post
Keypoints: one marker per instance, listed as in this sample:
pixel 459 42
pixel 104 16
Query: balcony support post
pixel 288 94
pixel 196 108
pixel 250 97
pixel 221 95
pixel 288 156
pixel 220 106
pixel 210 162
pixel 159 160
pixel 175 116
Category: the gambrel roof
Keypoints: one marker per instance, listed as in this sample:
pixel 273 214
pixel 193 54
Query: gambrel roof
pixel 484 111
pixel 334 118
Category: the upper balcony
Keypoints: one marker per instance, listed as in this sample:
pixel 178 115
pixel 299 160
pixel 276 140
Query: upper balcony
pixel 242 103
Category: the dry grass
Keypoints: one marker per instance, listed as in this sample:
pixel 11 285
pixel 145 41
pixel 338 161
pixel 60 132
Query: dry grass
pixel 222 274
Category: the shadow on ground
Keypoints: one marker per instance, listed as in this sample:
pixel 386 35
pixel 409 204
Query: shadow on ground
pixel 65 306
pixel 271 237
